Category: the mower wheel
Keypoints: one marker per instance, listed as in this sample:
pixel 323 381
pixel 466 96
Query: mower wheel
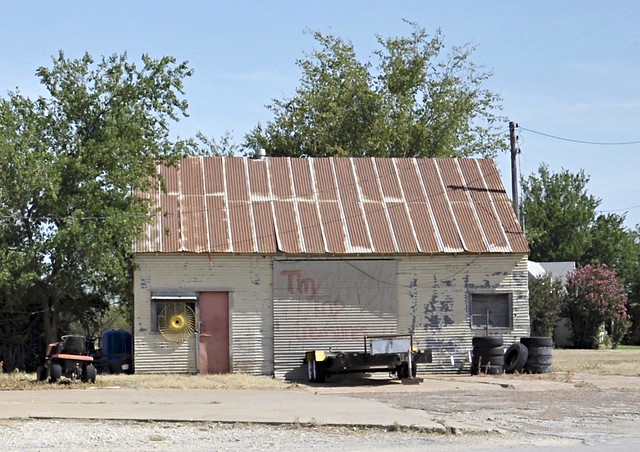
pixel 90 373
pixel 55 373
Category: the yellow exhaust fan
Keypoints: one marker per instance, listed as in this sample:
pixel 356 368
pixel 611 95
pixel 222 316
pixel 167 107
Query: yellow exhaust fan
pixel 176 322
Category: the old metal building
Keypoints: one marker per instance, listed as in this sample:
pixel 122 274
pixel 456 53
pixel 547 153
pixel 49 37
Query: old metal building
pixel 272 257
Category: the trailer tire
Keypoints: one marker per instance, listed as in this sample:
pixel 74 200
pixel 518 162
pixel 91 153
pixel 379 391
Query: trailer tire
pixel 320 372
pixel 515 358
pixel 55 373
pixel 311 370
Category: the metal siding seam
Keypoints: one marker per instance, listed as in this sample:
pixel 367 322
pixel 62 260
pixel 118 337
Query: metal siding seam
pixel 449 206
pixel 160 242
pixel 493 205
pixel 406 206
pixel 473 206
pixel 360 203
pixel 225 198
pixel 206 206
pixel 181 219
pixel 254 234
pixel 346 239
pixel 294 198
pixel 274 218
pixel 428 203
pixel 316 200
pixel 383 204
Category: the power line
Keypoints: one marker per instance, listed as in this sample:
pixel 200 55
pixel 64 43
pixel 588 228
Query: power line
pixel 599 143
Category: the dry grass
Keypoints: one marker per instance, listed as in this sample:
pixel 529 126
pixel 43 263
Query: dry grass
pixel 25 381
pixel 565 362
pixel 599 362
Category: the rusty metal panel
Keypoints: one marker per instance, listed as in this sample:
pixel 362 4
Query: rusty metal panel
pixel 484 209
pixel 358 239
pixel 437 195
pixel 461 205
pixel 219 224
pixel 265 229
pixel 191 177
pixel 242 233
pixel 170 230
pixel 329 303
pixel 333 205
pixel 418 206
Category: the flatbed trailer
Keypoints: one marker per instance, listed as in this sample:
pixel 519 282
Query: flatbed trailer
pixel 395 354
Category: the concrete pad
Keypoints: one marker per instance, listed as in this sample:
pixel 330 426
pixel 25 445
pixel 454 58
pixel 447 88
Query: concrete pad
pixel 272 407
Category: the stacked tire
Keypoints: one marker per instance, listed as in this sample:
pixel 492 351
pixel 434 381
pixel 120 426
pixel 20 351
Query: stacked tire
pixel 487 356
pixel 540 354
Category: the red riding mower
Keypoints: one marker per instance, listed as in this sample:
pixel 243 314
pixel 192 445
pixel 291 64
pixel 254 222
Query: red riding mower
pixel 68 358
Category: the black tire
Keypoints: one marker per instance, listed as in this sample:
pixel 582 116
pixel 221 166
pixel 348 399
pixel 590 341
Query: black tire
pixel 540 361
pixel 487 341
pixel 55 373
pixel 321 373
pixel 537 369
pixel 488 351
pixel 311 371
pixel 89 373
pixel 532 342
pixel 515 358
pixel 540 351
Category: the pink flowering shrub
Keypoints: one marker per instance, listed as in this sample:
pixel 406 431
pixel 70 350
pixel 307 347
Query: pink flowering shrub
pixel 596 297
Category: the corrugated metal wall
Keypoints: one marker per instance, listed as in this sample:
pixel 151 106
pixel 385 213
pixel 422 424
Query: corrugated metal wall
pixel 329 303
pixel 435 304
pixel 246 278
pixel 281 308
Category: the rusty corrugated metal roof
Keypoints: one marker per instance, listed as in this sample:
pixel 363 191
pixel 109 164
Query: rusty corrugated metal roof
pixel 333 206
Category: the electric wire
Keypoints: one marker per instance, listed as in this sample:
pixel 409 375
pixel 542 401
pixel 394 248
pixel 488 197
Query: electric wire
pixel 597 143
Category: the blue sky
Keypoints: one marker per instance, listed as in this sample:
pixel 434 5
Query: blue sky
pixel 565 68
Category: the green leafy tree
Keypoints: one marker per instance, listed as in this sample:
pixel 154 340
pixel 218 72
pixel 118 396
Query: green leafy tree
pixel 410 100
pixel 559 215
pixel 596 298
pixel 546 303
pixel 71 163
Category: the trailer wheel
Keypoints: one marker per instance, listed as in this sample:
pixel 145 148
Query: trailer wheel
pixel 320 372
pixel 55 373
pixel 311 370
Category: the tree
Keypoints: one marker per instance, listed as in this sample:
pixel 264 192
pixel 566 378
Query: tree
pixel 596 298
pixel 546 302
pixel 559 214
pixel 72 162
pixel 415 102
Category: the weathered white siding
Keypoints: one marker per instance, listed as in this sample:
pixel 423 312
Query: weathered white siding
pixel 434 302
pixel 431 300
pixel 248 281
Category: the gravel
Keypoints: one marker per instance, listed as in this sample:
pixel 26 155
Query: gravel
pixel 44 434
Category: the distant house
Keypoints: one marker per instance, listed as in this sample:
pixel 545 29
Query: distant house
pixel 557 270
pixel 251 262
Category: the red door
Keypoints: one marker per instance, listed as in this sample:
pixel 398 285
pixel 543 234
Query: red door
pixel 213 353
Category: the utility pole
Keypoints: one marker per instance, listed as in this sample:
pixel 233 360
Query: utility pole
pixel 514 168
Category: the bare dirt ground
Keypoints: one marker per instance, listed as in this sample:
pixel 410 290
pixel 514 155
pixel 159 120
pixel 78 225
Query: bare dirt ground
pixel 580 408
